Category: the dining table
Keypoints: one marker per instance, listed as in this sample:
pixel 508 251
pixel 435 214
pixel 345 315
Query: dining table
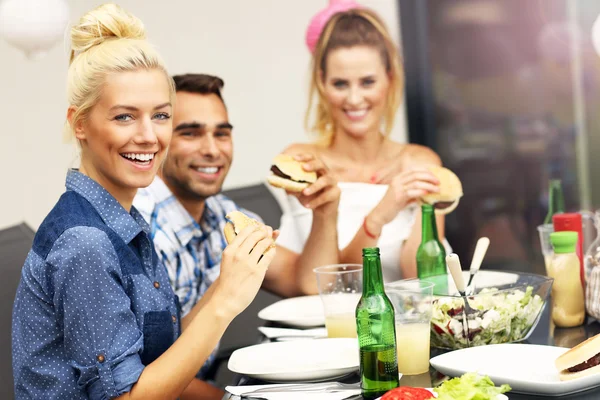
pixel 545 333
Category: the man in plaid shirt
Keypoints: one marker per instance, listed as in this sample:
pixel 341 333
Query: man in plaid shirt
pixel 186 211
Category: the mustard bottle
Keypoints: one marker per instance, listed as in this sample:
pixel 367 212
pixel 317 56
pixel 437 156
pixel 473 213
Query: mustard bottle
pixel 568 301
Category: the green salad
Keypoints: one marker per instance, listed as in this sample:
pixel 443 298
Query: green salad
pixel 470 386
pixel 506 316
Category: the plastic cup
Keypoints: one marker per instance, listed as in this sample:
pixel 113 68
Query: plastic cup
pixel 340 288
pixel 412 300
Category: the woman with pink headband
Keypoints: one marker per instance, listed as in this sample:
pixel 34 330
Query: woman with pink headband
pixel 356 90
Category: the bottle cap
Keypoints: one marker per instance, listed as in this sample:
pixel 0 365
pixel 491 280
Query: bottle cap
pixel 564 242
pixel 567 222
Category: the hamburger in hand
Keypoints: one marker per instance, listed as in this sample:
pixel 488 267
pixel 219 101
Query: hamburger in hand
pixel 446 200
pixel 288 174
pixel 236 222
pixel 582 360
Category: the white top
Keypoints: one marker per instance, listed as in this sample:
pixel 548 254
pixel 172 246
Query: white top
pixel 356 201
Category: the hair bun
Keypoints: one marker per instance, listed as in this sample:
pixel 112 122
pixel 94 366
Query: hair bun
pixel 109 21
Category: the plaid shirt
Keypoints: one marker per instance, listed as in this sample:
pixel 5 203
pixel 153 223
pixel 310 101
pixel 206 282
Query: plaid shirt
pixel 191 251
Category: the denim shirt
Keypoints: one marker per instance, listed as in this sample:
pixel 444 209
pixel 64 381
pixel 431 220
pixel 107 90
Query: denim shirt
pixel 94 305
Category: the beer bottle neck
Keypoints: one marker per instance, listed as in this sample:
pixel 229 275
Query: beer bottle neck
pixel 556 201
pixel 372 275
pixel 428 225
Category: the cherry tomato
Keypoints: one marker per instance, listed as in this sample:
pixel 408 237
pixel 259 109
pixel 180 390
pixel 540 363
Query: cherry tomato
pixel 408 393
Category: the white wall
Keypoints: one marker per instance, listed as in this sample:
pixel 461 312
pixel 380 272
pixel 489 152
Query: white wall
pixel 257 47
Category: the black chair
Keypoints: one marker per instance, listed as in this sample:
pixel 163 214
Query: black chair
pixel 259 200
pixel 15 243
pixel 243 331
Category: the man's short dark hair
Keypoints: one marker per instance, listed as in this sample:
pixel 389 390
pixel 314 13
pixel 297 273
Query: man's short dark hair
pixel 199 83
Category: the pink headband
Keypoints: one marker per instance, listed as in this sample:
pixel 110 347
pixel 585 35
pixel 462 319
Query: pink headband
pixel 318 22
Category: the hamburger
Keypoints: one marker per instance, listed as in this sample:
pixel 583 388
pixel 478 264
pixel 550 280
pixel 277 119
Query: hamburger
pixel 288 174
pixel 236 222
pixel 582 360
pixel 446 200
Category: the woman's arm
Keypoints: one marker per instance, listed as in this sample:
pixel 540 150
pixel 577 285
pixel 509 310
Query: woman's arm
pixel 409 180
pixel 420 156
pixel 241 276
pixel 169 375
pixel 200 390
pixel 404 189
pixel 366 236
pixel 291 274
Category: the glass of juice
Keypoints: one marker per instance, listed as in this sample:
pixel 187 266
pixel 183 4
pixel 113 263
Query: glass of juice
pixel 412 299
pixel 340 288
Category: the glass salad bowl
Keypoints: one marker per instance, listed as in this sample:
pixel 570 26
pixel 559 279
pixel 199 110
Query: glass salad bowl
pixel 509 303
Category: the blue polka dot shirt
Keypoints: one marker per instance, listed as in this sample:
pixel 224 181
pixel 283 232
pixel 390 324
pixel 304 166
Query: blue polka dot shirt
pixel 94 305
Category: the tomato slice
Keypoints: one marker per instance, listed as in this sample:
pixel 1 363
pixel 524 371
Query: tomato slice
pixel 408 393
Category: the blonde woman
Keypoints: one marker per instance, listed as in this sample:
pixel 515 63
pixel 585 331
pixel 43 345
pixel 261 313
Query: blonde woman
pixel 95 316
pixel 356 89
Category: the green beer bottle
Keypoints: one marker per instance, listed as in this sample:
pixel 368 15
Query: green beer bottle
pixel 431 255
pixel 376 330
pixel 556 201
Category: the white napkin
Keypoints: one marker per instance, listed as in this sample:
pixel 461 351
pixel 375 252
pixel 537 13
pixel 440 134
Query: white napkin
pixel 240 390
pixel 287 333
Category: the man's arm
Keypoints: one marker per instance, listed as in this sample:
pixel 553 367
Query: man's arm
pixel 291 274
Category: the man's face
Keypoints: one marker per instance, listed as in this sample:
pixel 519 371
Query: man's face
pixel 201 148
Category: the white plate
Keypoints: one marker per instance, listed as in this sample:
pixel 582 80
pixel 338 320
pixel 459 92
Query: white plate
pixel 293 334
pixel 483 279
pixel 304 311
pixel 527 368
pixel 304 360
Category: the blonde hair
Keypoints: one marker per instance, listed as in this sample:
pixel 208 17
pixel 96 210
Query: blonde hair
pixel 107 39
pixel 356 27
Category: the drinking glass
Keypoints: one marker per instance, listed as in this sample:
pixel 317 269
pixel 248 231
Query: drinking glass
pixel 340 288
pixel 412 300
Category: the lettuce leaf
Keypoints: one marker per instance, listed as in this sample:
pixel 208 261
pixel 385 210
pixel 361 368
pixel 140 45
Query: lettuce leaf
pixel 470 386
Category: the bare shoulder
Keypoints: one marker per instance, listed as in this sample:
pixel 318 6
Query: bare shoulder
pixel 417 154
pixel 395 149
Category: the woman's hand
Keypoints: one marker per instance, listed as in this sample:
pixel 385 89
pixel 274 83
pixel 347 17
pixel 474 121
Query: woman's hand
pixel 404 189
pixel 323 196
pixel 243 266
